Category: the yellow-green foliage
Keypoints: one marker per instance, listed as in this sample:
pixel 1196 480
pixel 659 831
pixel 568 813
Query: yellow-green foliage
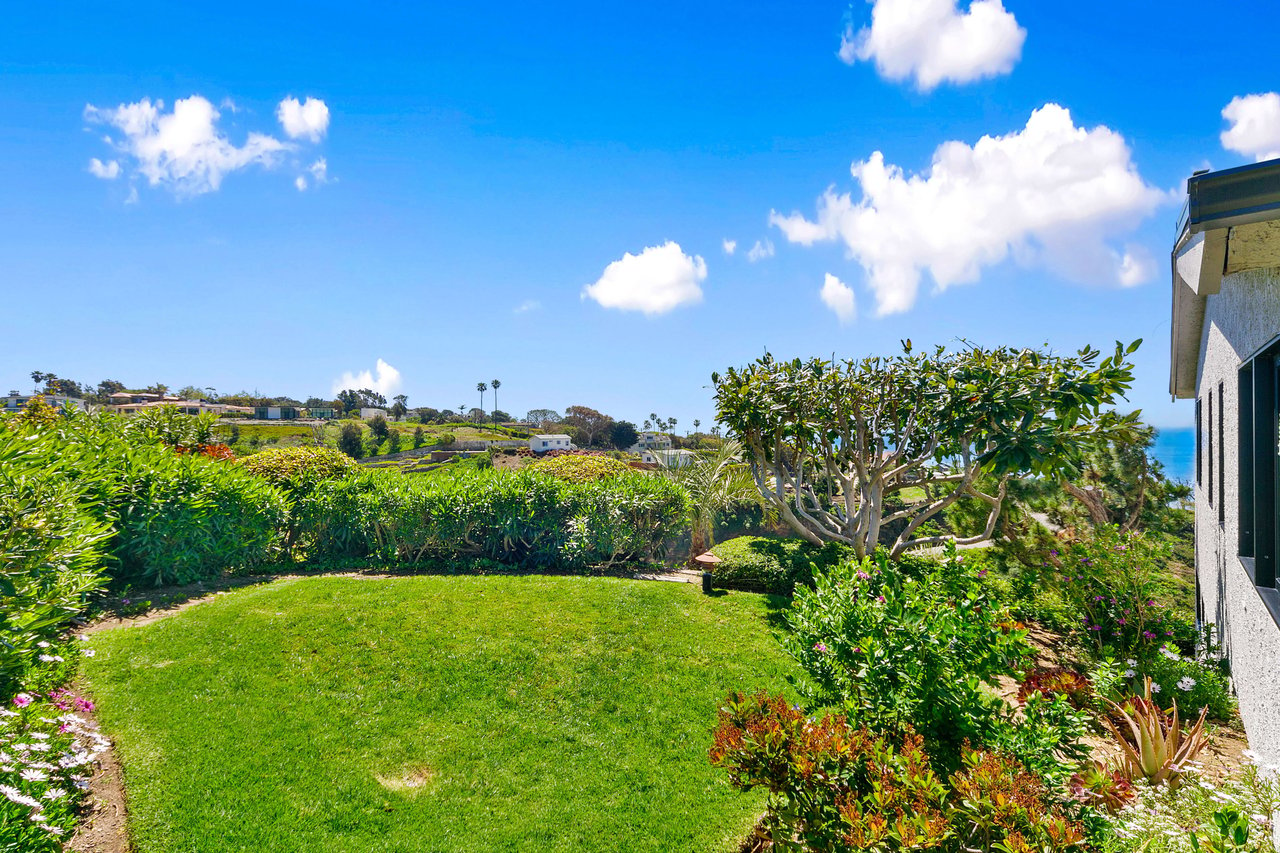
pixel 581 469
pixel 294 467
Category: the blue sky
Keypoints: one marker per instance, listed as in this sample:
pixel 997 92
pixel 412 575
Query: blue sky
pixel 481 172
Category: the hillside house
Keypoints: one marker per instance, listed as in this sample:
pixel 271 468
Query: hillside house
pixel 668 458
pixel 543 443
pixel 370 414
pixel 16 402
pixel 1225 355
pixel 651 441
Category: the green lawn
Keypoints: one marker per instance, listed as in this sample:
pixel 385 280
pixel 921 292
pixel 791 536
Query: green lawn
pixel 534 713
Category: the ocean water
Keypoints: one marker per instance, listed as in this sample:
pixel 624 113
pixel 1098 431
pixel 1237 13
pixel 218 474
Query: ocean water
pixel 1176 450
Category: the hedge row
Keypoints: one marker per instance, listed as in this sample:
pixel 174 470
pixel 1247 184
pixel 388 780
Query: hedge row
pixel 521 518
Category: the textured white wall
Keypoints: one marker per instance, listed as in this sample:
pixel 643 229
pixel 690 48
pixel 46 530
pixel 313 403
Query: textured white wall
pixel 1239 320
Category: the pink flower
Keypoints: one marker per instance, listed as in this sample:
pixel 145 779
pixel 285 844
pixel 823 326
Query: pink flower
pixel 819 647
pixel 22 700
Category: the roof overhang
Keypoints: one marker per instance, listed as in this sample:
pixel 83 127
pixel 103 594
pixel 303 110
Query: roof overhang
pixel 1231 224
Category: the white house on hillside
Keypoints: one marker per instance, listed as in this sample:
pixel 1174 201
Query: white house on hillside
pixel 668 458
pixel 369 414
pixel 651 441
pixel 1226 355
pixel 543 443
pixel 16 402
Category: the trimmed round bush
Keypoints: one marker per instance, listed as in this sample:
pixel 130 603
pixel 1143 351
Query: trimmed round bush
pixel 576 468
pixel 760 564
pixel 298 469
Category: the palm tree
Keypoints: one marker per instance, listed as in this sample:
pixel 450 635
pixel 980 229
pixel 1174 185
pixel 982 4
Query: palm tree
pixel 496 385
pixel 696 423
pixel 714 484
pixel 481 387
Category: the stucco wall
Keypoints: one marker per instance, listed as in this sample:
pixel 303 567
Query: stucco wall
pixel 1239 321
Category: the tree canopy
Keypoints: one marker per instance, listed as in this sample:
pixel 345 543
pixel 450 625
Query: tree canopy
pixel 828 441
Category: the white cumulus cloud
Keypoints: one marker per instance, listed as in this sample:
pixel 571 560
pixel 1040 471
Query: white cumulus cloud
pixel 183 149
pixel 1255 126
pixel 1052 194
pixel 935 41
pixel 384 379
pixel 309 118
pixel 838 296
pixel 108 171
pixel 730 246
pixel 760 251
pixel 655 281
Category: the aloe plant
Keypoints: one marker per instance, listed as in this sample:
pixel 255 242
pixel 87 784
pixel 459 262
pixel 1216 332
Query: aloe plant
pixel 1152 741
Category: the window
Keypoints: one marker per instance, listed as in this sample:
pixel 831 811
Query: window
pixel 1210 448
pixel 1259 417
pixel 1222 465
pixel 1199 443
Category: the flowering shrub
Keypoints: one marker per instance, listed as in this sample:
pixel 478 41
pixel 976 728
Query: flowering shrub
pixel 47 750
pixel 1193 684
pixel 1190 818
pixel 897 652
pixel 834 787
pixel 1111 578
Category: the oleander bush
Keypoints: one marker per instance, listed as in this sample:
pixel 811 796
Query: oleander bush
pixel 185 518
pixel 172 516
pixel 50 550
pixel 520 518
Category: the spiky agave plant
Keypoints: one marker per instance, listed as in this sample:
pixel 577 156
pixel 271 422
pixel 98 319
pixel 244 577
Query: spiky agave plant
pixel 1152 741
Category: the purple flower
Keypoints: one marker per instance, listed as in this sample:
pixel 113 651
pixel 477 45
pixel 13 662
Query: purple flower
pixel 22 700
pixel 982 573
pixel 819 647
pixel 1053 553
pixel 880 598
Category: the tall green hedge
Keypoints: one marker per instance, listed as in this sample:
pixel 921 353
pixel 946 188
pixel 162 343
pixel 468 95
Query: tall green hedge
pixel 519 518
pixel 51 543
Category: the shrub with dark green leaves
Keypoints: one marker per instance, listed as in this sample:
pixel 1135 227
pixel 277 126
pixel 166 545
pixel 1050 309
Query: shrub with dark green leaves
pixel 898 652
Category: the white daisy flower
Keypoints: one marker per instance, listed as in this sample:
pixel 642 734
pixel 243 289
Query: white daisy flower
pixel 1155 688
pixel 55 794
pixel 1186 683
pixel 32 775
